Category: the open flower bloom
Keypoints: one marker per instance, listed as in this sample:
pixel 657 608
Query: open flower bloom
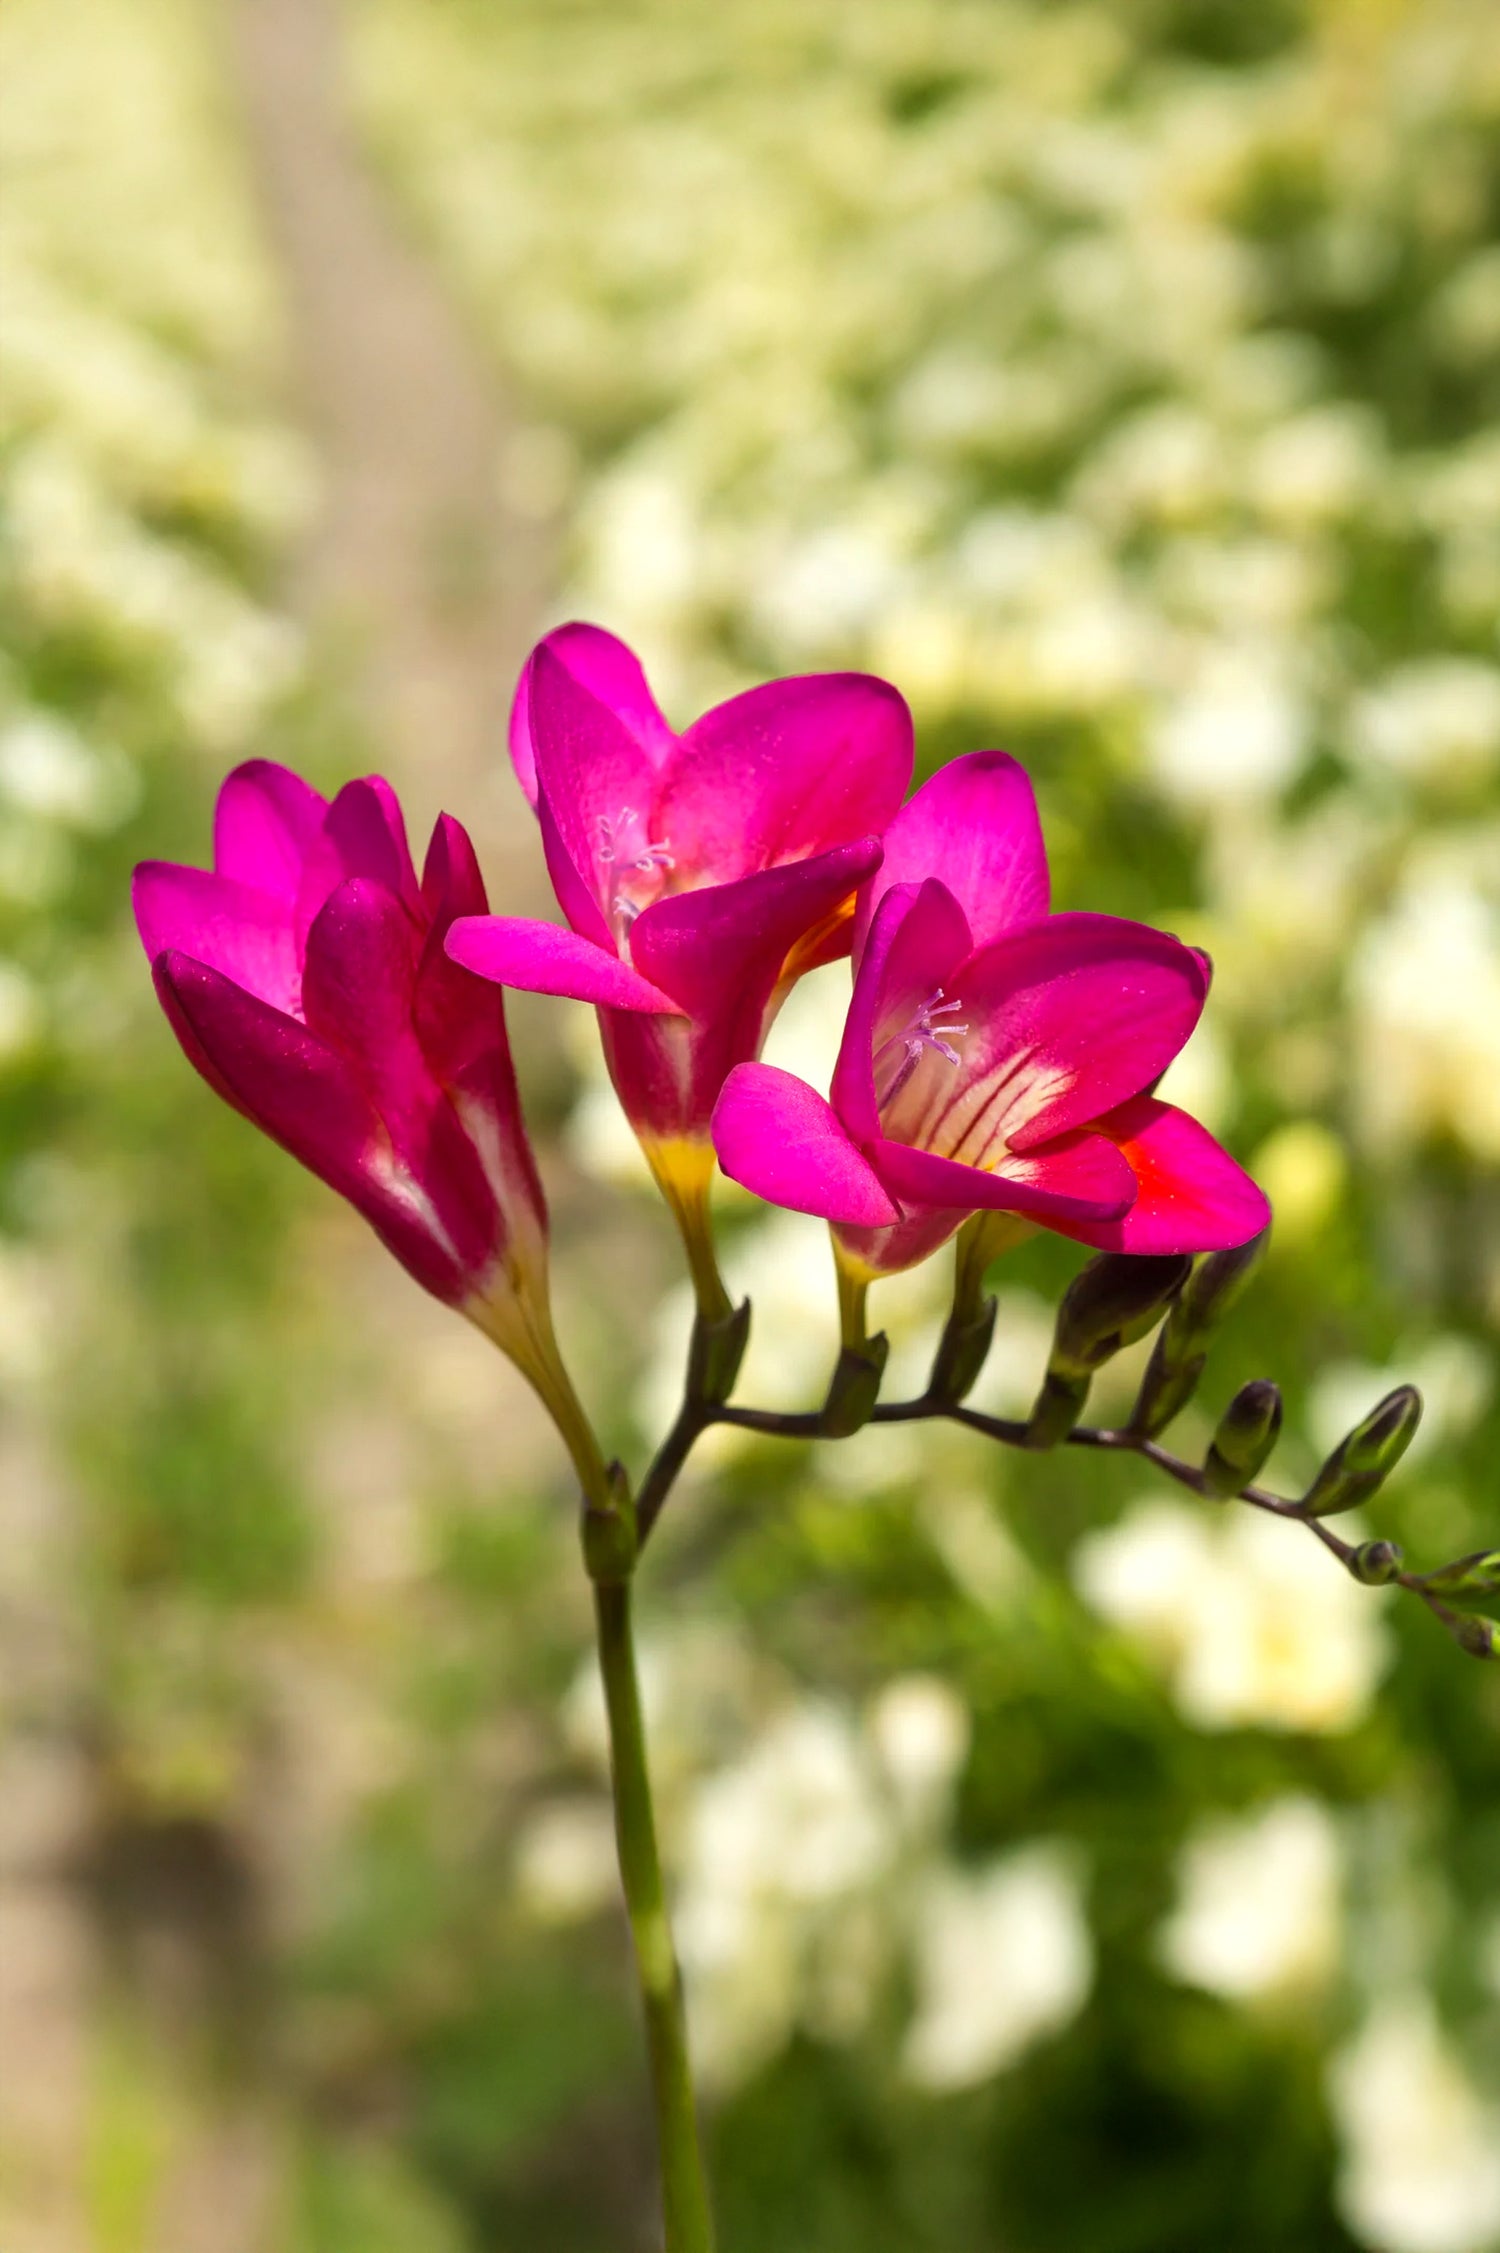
pixel 700 874
pixel 306 979
pixel 996 1058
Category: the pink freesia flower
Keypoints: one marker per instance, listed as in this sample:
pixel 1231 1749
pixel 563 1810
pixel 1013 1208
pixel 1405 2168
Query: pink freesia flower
pixel 996 1058
pixel 700 874
pixel 306 980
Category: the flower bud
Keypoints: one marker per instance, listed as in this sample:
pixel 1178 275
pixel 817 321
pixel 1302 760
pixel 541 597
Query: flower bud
pixel 715 1355
pixel 1059 1405
pixel 1111 1303
pixel 1178 1359
pixel 1476 1575
pixel 1108 1305
pixel 1479 1637
pixel 961 1353
pixel 1376 1563
pixel 1360 1464
pixel 855 1388
pixel 1248 1430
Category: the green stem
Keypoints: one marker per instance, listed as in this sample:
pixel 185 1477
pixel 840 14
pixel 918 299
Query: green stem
pixel 854 1290
pixel 689 2226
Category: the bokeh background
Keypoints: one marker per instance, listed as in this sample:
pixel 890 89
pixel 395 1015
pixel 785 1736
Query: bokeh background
pixel 1062 1866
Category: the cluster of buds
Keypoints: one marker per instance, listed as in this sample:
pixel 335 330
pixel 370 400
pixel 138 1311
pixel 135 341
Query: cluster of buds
pixel 1116 1301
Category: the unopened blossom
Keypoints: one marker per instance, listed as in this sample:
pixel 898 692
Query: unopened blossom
pixel 700 874
pixel 306 978
pixel 996 1058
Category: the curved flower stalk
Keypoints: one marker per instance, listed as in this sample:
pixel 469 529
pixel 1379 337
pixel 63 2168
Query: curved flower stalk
pixel 700 875
pixel 306 979
pixel 997 1059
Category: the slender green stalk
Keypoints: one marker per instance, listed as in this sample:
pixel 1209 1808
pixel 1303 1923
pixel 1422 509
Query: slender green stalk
pixel 854 1290
pixel 689 2226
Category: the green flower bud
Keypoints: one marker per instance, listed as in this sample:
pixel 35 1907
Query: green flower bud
pixel 855 1388
pixel 961 1353
pixel 1376 1563
pixel 1248 1430
pixel 1059 1405
pixel 1178 1358
pixel 1111 1303
pixel 715 1355
pixel 1476 1575
pixel 1360 1464
pixel 1479 1637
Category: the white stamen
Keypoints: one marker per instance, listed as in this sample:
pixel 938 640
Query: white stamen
pixel 625 847
pixel 923 1032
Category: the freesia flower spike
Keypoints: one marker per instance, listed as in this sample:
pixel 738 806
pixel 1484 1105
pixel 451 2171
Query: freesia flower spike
pixel 306 979
pixel 996 1058
pixel 700 873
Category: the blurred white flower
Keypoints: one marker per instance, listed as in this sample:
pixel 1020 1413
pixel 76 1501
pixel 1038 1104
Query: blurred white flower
pixel 565 1866
pixel 1259 1905
pixel 1421 2164
pixel 780 1848
pixel 1003 1957
pixel 47 770
pixel 1256 1626
pixel 1436 720
pixel 1321 464
pixel 1239 731
pixel 1425 989
pixel 920 1728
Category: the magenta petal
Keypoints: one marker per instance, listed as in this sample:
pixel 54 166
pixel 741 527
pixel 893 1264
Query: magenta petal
pixel 591 770
pixel 358 983
pixel 576 896
pixel 786 770
pixel 541 958
pixel 974 824
pixel 1067 1018
pixel 306 1097
pixel 460 1019
pixel 245 934
pixel 602 664
pixel 778 1137
pixel 1191 1195
pixel 278 1073
pixel 363 835
pixel 451 881
pixel 723 948
pixel 918 938
pixel 266 822
pixel 1080 1177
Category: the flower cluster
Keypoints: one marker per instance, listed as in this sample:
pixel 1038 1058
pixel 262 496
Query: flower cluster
pixel 997 1058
